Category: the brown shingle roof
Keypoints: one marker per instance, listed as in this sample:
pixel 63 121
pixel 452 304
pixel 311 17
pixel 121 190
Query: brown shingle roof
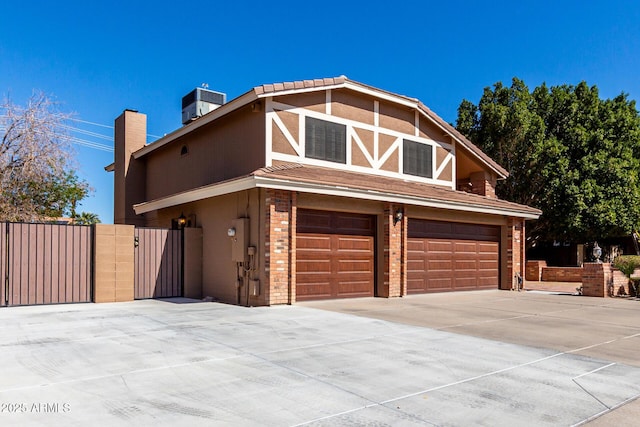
pixel 360 181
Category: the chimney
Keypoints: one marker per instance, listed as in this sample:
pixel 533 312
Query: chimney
pixel 130 135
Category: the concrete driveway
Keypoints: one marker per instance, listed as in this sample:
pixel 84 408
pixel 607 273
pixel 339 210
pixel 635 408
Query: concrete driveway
pixel 480 358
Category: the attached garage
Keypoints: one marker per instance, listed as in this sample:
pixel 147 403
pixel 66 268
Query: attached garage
pixel 445 256
pixel 335 255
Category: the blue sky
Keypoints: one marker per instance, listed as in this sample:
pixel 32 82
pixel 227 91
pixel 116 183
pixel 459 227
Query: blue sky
pixel 98 58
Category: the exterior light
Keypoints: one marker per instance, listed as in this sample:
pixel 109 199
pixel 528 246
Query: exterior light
pixel 182 221
pixel 397 216
pixel 231 232
pixel 597 252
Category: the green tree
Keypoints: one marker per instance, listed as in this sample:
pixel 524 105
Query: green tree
pixel 37 181
pixel 568 152
pixel 86 218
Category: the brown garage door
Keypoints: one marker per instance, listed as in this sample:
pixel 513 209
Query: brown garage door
pixel 445 256
pixel 334 255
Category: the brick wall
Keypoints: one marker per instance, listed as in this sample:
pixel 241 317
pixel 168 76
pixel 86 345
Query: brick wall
pixel 533 270
pixel 620 282
pixel 561 274
pixel 596 279
pixel 480 183
pixel 279 247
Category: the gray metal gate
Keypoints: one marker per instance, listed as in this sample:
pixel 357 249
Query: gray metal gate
pixel 45 263
pixel 158 263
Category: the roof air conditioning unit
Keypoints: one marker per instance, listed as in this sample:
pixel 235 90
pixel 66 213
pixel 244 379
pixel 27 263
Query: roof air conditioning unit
pixel 199 102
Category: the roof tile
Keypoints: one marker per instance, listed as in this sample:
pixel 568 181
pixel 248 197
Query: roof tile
pixel 368 182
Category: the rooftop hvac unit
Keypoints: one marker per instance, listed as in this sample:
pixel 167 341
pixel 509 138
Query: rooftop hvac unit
pixel 199 102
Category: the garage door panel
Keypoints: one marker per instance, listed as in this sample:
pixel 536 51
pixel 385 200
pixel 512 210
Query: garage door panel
pixel 438 246
pixel 355 244
pixel 439 265
pixel 353 288
pixel 438 285
pixel 456 256
pixel 313 266
pixel 415 245
pixel 319 289
pixel 354 266
pixel 313 242
pixel 343 252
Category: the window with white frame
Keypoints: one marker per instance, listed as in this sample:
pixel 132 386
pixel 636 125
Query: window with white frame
pixel 325 140
pixel 417 159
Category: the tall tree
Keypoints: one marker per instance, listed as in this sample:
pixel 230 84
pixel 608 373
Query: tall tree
pixel 569 153
pixel 37 181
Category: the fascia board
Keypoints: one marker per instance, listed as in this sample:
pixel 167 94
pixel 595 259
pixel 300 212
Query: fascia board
pixel 201 193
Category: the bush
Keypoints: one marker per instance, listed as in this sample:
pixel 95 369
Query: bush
pixel 627 264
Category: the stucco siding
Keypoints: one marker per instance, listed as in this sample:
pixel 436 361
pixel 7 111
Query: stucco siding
pixel 227 148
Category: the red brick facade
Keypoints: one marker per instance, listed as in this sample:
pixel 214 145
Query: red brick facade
pixel 534 270
pixel 393 253
pixel 596 279
pixel 515 253
pixel 481 183
pixel 562 274
pixel 279 247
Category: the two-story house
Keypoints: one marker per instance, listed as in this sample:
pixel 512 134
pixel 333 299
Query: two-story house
pixel 324 188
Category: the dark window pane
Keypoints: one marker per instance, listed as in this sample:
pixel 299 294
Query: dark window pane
pixel 417 159
pixel 325 140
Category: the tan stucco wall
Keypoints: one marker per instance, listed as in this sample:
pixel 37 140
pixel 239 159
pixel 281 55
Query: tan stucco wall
pixel 232 146
pixel 130 133
pixel 215 216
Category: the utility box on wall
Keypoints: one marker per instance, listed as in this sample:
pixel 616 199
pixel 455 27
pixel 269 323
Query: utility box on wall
pixel 240 239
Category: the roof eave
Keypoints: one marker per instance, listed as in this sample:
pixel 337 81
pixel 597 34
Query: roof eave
pixel 253 181
pixel 225 109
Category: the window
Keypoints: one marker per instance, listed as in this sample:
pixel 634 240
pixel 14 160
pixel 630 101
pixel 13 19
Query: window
pixel 184 150
pixel 326 140
pixel 417 159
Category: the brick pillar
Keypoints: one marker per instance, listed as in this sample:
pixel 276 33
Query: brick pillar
pixel 596 279
pixel 404 259
pixel 393 250
pixel 293 223
pixel 515 253
pixel 278 251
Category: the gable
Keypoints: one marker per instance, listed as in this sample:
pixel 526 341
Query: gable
pixel 376 134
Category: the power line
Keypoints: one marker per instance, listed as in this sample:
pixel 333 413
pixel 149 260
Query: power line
pixel 90 123
pixel 88 133
pixel 91 144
